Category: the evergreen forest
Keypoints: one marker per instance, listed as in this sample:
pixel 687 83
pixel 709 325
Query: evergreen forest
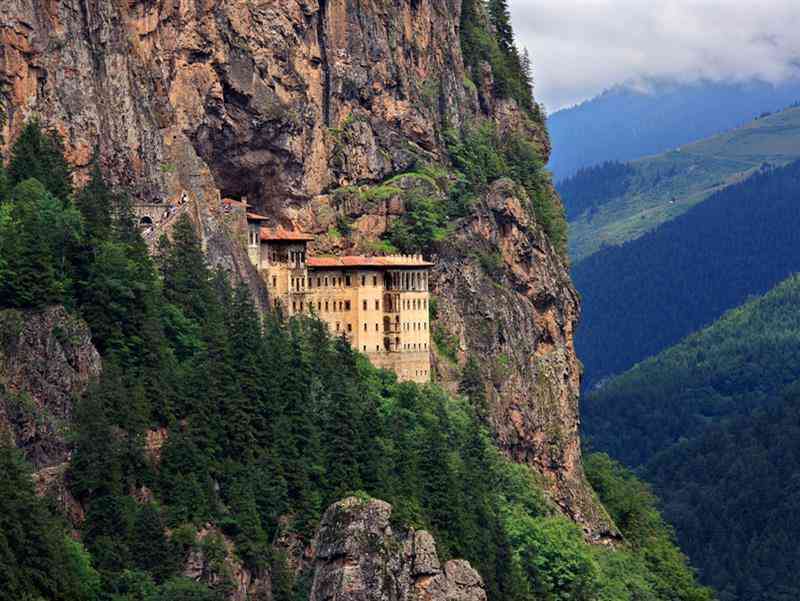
pixel 267 422
pixel 713 422
pixel 643 296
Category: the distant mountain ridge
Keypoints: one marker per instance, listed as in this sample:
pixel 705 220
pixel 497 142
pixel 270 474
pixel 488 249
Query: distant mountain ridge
pixel 647 294
pixel 628 122
pixel 614 202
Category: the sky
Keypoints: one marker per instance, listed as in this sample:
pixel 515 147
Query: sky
pixel 581 47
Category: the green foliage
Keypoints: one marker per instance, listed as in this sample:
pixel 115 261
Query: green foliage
pixel 483 157
pixel 645 296
pixel 446 343
pixel 36 558
pixel 487 37
pixel 36 232
pixel 558 565
pixel 614 203
pixel 634 509
pixel 746 469
pixel 472 385
pixel 713 423
pixel 39 155
pixel 738 364
pixel 423 224
pixel 183 589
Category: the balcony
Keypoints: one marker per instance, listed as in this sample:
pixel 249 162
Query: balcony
pixel 391 303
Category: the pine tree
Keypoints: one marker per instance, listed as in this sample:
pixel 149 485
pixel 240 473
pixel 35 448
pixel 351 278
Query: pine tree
pixel 95 201
pixel 35 559
pixel 439 485
pixel 40 155
pixel 526 67
pixel 186 277
pixel 4 187
pixel 35 232
pixel 472 385
pixel 252 542
pixel 500 18
pixel 342 424
pixel 96 468
pixel 150 549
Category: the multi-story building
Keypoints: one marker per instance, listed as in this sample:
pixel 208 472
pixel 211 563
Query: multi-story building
pixel 379 303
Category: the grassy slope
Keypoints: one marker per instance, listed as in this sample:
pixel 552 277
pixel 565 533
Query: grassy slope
pixel 686 176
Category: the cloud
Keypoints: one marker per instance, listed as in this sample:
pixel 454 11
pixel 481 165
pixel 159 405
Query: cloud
pixel 581 47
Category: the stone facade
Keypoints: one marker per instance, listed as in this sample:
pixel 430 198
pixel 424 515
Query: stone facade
pixel 379 303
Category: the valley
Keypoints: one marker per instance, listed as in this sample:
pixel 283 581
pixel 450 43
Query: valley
pixel 662 187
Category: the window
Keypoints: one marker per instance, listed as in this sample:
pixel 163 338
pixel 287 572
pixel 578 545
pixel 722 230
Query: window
pixel 347 280
pixel 294 306
pixel 365 348
pixel 378 347
pixel 326 281
pixel 365 327
pixel 377 305
pixel 274 281
pixel 301 305
pixel 363 280
pixel 377 327
pixel 326 306
pixel 349 327
pixel 341 305
pixel 339 281
pixel 374 280
pixel 319 281
pixel 319 306
pixel 365 305
pixel 346 305
pixel 337 326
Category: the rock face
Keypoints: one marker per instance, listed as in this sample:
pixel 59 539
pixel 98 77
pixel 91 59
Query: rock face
pixel 213 561
pixel 289 102
pixel 46 360
pixel 506 300
pixel 358 557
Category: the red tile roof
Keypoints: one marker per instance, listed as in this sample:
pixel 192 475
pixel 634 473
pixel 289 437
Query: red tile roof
pixel 373 262
pixel 269 234
pixel 235 203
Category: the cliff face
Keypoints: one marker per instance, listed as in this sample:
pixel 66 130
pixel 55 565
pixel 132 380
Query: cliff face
pixel 506 300
pixel 357 556
pixel 288 102
pixel 46 361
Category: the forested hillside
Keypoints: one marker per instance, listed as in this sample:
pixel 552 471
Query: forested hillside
pixel 629 122
pixel 740 363
pixel 263 424
pixel 643 296
pixel 747 470
pixel 713 422
pixel 612 203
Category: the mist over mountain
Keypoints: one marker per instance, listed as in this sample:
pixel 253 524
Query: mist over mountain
pixel 628 122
